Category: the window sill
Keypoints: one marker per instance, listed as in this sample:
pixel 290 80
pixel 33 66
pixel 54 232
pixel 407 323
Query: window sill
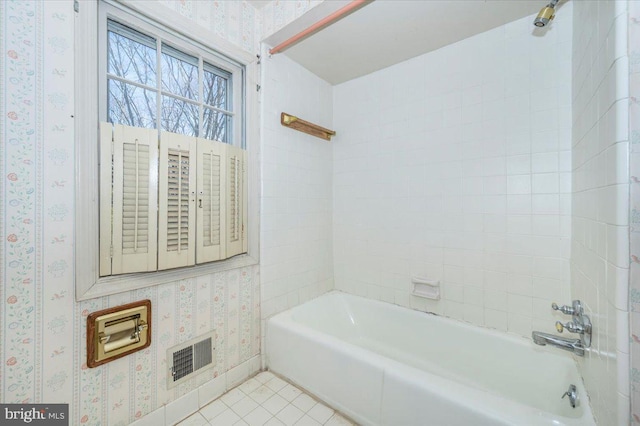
pixel 128 282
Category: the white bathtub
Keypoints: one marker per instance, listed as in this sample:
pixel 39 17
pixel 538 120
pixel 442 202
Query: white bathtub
pixel 385 365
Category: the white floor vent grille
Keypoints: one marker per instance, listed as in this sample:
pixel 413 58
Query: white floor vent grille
pixel 189 358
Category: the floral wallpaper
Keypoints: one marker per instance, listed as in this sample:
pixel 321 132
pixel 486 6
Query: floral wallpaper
pixel 21 157
pixel 236 21
pixel 634 218
pixel 122 391
pixel 42 345
pixel 279 13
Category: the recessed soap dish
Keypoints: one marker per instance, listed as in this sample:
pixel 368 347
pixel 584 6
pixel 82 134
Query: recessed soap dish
pixel 426 288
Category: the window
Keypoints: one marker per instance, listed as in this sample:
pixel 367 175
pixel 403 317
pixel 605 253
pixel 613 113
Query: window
pixel 166 176
pixel 174 184
pixel 150 81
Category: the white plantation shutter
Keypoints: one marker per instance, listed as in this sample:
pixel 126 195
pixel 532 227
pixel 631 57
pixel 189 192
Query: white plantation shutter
pixel 182 203
pixel 134 197
pixel 177 186
pixel 236 207
pixel 211 219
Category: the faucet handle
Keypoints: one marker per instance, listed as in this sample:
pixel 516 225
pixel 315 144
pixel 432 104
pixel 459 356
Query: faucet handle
pixel 572 327
pixel 567 310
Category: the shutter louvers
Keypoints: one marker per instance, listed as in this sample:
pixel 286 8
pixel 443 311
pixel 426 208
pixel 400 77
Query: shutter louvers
pixel 236 201
pixel 135 209
pixel 134 190
pixel 177 200
pixel 176 239
pixel 211 189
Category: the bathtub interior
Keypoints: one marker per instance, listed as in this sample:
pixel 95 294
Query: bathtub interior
pixel 490 361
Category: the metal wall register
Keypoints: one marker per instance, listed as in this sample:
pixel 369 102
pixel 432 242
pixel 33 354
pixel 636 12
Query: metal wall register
pixel 34 414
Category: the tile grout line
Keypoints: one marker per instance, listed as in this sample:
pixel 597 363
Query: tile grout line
pixel 243 391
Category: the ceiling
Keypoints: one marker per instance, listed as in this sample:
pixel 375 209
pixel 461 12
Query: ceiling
pixel 385 32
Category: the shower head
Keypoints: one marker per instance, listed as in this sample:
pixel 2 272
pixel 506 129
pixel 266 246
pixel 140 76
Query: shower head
pixel 546 14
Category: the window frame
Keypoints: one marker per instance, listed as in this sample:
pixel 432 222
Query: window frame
pixel 90 108
pixel 164 36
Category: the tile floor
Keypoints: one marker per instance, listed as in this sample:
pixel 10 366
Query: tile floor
pixel 265 400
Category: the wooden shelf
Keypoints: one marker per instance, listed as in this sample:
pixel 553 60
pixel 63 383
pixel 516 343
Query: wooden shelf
pixel 296 123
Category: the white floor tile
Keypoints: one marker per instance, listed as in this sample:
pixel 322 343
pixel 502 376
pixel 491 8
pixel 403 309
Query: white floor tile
pixel 261 394
pixel 258 417
pixel 250 385
pixel 289 415
pixel 275 404
pixel 307 421
pixel 274 422
pixel 244 406
pixel 320 412
pixel 196 419
pixel 213 409
pixel 304 402
pixel 276 384
pixel 338 420
pixel 226 418
pixel 265 400
pixel 264 377
pixel 289 392
pixel 233 396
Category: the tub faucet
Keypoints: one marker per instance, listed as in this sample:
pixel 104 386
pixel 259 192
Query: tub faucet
pixel 579 324
pixel 573 345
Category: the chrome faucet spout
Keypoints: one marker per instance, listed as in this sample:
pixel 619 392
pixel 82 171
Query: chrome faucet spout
pixel 572 345
pixel 579 324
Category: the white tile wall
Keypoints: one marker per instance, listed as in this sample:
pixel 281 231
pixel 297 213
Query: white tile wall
pixel 634 220
pixel 458 166
pixel 296 261
pixel 455 166
pixel 600 177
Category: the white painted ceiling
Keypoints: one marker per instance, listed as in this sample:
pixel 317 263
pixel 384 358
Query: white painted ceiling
pixel 385 32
